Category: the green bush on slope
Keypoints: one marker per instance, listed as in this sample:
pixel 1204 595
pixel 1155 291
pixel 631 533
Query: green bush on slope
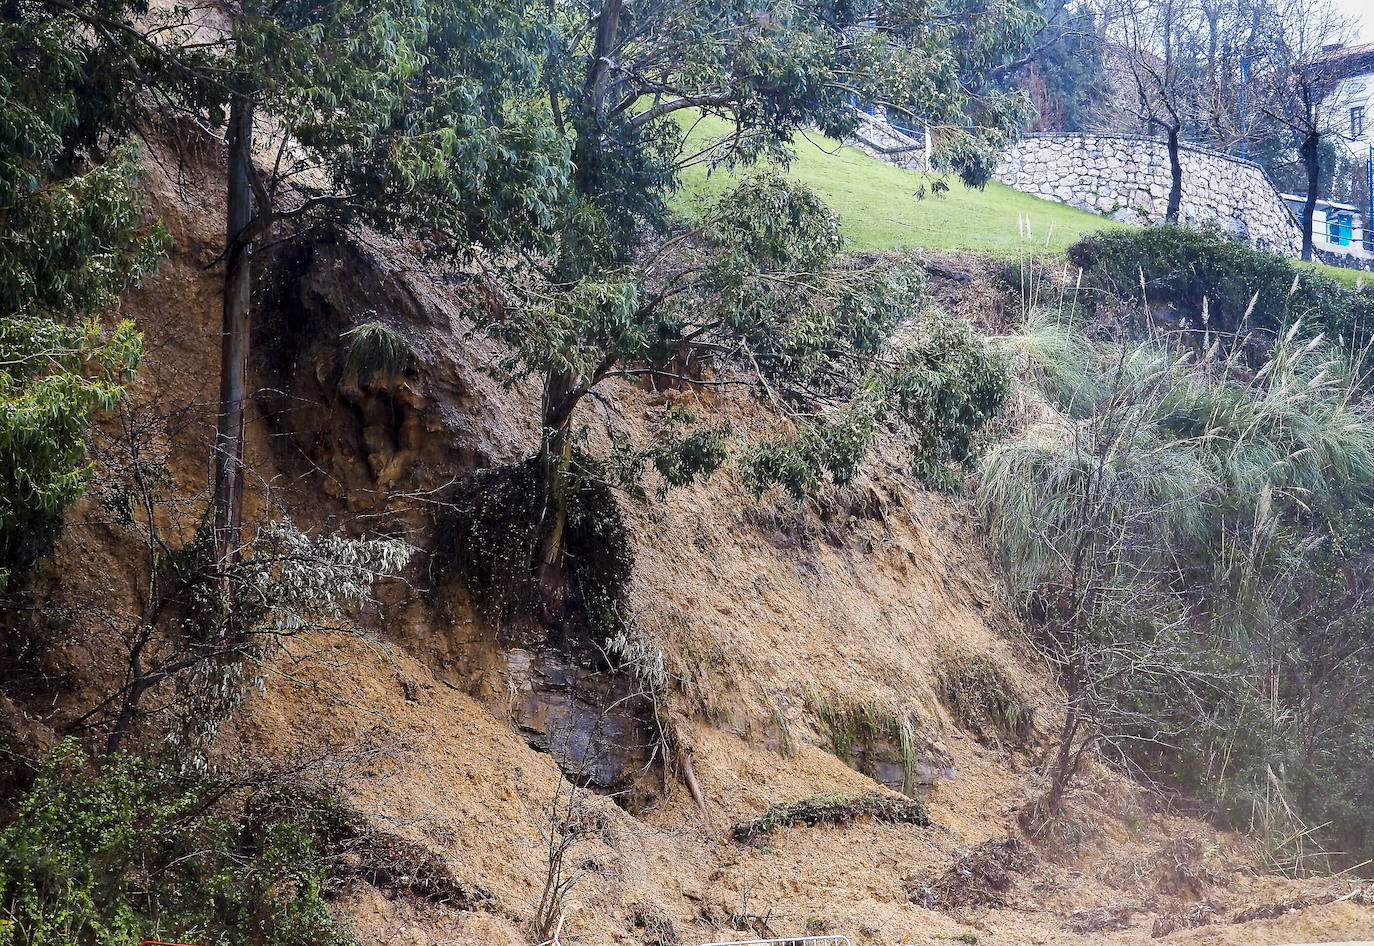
pixel 1182 534
pixel 119 852
pixel 1211 283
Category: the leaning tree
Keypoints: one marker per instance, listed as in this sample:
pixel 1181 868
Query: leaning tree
pixel 641 91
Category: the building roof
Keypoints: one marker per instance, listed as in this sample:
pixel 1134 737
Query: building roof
pixel 1348 61
pixel 1321 202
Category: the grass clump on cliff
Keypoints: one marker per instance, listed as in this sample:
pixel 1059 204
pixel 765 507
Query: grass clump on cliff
pixel 374 348
pixel 836 809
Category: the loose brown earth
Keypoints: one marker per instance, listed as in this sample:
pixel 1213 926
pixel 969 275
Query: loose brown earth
pixel 767 615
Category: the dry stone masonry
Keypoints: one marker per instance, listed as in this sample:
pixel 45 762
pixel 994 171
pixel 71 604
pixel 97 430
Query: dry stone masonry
pixel 1126 177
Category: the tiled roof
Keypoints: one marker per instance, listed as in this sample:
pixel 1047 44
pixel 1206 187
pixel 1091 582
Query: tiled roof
pixel 1357 60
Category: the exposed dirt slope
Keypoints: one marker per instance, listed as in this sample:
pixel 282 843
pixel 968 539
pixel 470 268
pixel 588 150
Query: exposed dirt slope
pixel 868 625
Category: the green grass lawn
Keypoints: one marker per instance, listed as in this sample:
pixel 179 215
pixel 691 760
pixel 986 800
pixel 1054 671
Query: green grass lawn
pixel 879 208
pixel 1350 278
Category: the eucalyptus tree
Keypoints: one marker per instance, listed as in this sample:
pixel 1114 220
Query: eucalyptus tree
pixel 640 90
pixel 72 237
pixel 402 114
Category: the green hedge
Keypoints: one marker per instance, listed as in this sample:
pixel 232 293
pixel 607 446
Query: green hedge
pixel 1178 270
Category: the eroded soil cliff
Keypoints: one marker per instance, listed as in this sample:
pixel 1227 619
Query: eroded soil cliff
pixel 779 650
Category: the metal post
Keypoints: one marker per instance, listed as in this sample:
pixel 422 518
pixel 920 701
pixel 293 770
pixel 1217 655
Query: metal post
pixel 1244 81
pixel 1369 195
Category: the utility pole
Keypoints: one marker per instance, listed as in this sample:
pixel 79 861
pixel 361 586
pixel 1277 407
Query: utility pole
pixel 1244 81
pixel 1369 198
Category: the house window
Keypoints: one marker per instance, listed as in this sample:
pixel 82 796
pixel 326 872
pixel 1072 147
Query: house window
pixel 1357 121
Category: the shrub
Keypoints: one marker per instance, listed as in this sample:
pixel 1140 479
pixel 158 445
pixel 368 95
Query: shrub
pixel 982 699
pixel 949 384
pixel 53 377
pixel 944 382
pixel 113 854
pixel 1189 542
pixel 837 809
pixel 1220 285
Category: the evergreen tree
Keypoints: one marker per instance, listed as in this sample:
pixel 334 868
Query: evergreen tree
pixel 72 237
pixel 627 85
pixel 1063 72
pixel 402 114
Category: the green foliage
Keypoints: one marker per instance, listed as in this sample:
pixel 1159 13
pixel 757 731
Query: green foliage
pixel 285 584
pixel 122 851
pixel 681 452
pixel 830 449
pixel 1173 529
pixel 948 385
pixel 771 72
pixel 943 382
pixel 1065 79
pixel 53 377
pixel 759 286
pixel 74 238
pixel 834 809
pixel 1221 286
pixel 416 113
pixel 756 283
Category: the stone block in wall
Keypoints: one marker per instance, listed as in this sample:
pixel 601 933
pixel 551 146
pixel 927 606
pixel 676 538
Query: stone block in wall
pixel 1128 177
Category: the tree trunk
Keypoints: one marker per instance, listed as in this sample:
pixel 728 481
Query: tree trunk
pixel 228 495
pixel 1066 758
pixel 1062 771
pixel 607 28
pixel 1175 179
pixel 1312 163
pixel 555 462
pixel 588 130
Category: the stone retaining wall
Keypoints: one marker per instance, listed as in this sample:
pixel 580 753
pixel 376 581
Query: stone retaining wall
pixel 1127 178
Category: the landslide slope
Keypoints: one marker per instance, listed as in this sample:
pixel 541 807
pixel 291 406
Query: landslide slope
pixel 777 650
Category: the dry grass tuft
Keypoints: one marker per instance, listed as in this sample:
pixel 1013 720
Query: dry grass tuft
pixel 983 700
